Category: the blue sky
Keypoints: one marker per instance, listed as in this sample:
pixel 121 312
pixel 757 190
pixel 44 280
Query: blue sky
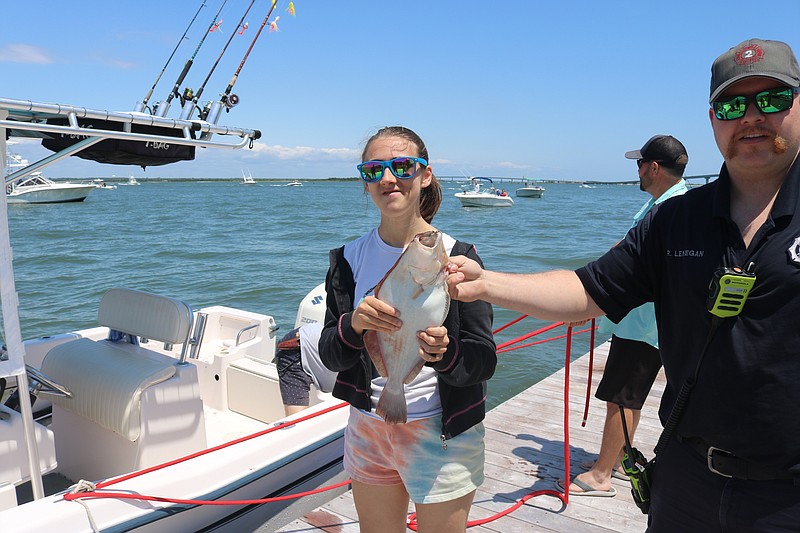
pixel 553 90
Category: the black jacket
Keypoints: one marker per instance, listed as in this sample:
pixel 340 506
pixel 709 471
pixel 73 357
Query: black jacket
pixel 462 373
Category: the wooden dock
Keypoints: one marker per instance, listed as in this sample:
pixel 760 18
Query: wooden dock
pixel 524 454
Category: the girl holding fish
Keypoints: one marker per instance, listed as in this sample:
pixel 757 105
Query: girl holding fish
pixel 433 453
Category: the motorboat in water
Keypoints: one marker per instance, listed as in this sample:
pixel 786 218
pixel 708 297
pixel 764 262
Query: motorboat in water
pixel 100 183
pixel 35 188
pixel 161 408
pixel 530 190
pixel 294 183
pixel 247 180
pixel 132 181
pixel 480 192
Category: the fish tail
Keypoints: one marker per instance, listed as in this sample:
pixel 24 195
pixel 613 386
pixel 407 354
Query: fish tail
pixel 392 405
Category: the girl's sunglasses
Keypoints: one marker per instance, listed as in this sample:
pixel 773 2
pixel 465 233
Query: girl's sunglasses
pixel 770 101
pixel 402 167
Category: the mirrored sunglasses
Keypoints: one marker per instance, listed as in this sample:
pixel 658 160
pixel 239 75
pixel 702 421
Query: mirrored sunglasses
pixel 769 101
pixel 402 167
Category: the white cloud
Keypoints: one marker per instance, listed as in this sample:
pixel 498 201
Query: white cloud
pixel 304 152
pixel 24 53
pixel 508 164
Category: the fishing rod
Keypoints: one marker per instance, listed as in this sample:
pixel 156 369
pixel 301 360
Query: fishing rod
pixel 162 107
pixel 189 106
pixel 229 100
pixel 141 106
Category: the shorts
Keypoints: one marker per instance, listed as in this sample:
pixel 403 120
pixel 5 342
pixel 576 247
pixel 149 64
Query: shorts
pixel 631 369
pixel 377 453
pixel 294 382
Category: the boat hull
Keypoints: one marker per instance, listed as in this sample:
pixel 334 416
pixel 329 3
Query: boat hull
pixel 61 193
pixel 483 200
pixel 530 192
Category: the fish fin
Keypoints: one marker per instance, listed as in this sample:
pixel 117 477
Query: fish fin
pixel 375 353
pixel 419 290
pixel 392 405
pixel 414 371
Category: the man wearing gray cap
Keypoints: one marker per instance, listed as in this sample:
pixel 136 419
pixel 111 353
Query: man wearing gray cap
pixel 722 265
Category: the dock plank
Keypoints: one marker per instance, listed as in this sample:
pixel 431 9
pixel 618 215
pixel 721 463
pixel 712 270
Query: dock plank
pixel 525 454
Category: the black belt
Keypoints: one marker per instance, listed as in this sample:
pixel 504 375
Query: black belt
pixel 728 465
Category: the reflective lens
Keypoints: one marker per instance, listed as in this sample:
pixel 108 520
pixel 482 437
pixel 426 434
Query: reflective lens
pixel 401 167
pixel 770 101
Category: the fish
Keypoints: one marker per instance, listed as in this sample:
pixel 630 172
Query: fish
pixel 415 286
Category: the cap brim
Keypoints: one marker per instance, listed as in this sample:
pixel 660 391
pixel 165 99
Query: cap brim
pixel 786 80
pixel 634 154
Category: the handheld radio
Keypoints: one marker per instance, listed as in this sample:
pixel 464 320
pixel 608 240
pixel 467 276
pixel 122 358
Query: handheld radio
pixel 729 289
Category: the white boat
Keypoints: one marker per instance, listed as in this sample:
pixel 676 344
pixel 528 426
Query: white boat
pixel 185 407
pixel 530 190
pixel 481 193
pixel 132 181
pixel 294 183
pixel 100 183
pixel 247 180
pixel 34 188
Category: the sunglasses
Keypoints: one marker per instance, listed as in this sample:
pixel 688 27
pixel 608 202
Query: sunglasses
pixel 769 101
pixel 402 167
pixel 640 162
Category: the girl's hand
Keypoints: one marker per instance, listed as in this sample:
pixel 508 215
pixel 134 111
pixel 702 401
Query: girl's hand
pixel 433 343
pixel 374 314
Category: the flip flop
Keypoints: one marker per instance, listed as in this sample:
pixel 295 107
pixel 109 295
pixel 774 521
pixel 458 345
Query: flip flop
pixel 587 490
pixel 614 473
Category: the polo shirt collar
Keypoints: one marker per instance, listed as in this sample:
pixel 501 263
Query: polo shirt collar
pixel 785 203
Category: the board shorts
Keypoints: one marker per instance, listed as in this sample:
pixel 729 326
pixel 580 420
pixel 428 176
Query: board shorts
pixel 411 454
pixel 631 369
pixel 293 381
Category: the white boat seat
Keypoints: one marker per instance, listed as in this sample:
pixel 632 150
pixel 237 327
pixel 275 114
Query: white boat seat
pixel 106 378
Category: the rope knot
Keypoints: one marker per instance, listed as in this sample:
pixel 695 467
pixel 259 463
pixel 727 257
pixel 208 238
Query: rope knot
pixel 83 486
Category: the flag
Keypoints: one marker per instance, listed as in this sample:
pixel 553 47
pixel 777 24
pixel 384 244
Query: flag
pixel 273 26
pixel 216 26
pixel 244 27
pixel 290 9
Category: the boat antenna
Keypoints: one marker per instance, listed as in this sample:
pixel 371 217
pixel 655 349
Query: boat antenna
pixel 229 100
pixel 189 106
pixel 162 107
pixel 141 106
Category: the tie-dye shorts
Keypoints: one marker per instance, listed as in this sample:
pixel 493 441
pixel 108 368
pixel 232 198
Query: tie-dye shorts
pixel 376 453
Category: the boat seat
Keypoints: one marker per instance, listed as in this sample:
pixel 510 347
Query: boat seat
pixel 131 405
pixel 107 381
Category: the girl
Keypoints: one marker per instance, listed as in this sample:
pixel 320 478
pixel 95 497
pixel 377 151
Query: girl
pixel 436 458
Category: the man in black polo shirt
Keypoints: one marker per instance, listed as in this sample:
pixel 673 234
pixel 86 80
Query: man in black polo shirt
pixel 733 462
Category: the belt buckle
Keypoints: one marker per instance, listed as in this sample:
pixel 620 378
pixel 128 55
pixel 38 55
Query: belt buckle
pixel 710 458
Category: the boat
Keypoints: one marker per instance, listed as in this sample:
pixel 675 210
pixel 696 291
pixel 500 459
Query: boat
pixel 530 190
pixel 132 181
pixel 100 183
pixel 247 180
pixel 161 408
pixel 35 188
pixel 480 192
pixel 294 183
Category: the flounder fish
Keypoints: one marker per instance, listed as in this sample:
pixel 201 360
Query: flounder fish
pixel 415 286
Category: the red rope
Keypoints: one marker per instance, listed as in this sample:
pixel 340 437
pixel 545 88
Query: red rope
pixel 563 496
pixel 107 483
pixel 501 328
pixel 589 378
pixel 412 524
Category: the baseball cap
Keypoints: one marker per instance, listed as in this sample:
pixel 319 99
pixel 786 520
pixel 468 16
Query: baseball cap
pixel 754 57
pixel 664 148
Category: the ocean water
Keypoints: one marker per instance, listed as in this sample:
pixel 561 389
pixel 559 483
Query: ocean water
pixel 263 247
